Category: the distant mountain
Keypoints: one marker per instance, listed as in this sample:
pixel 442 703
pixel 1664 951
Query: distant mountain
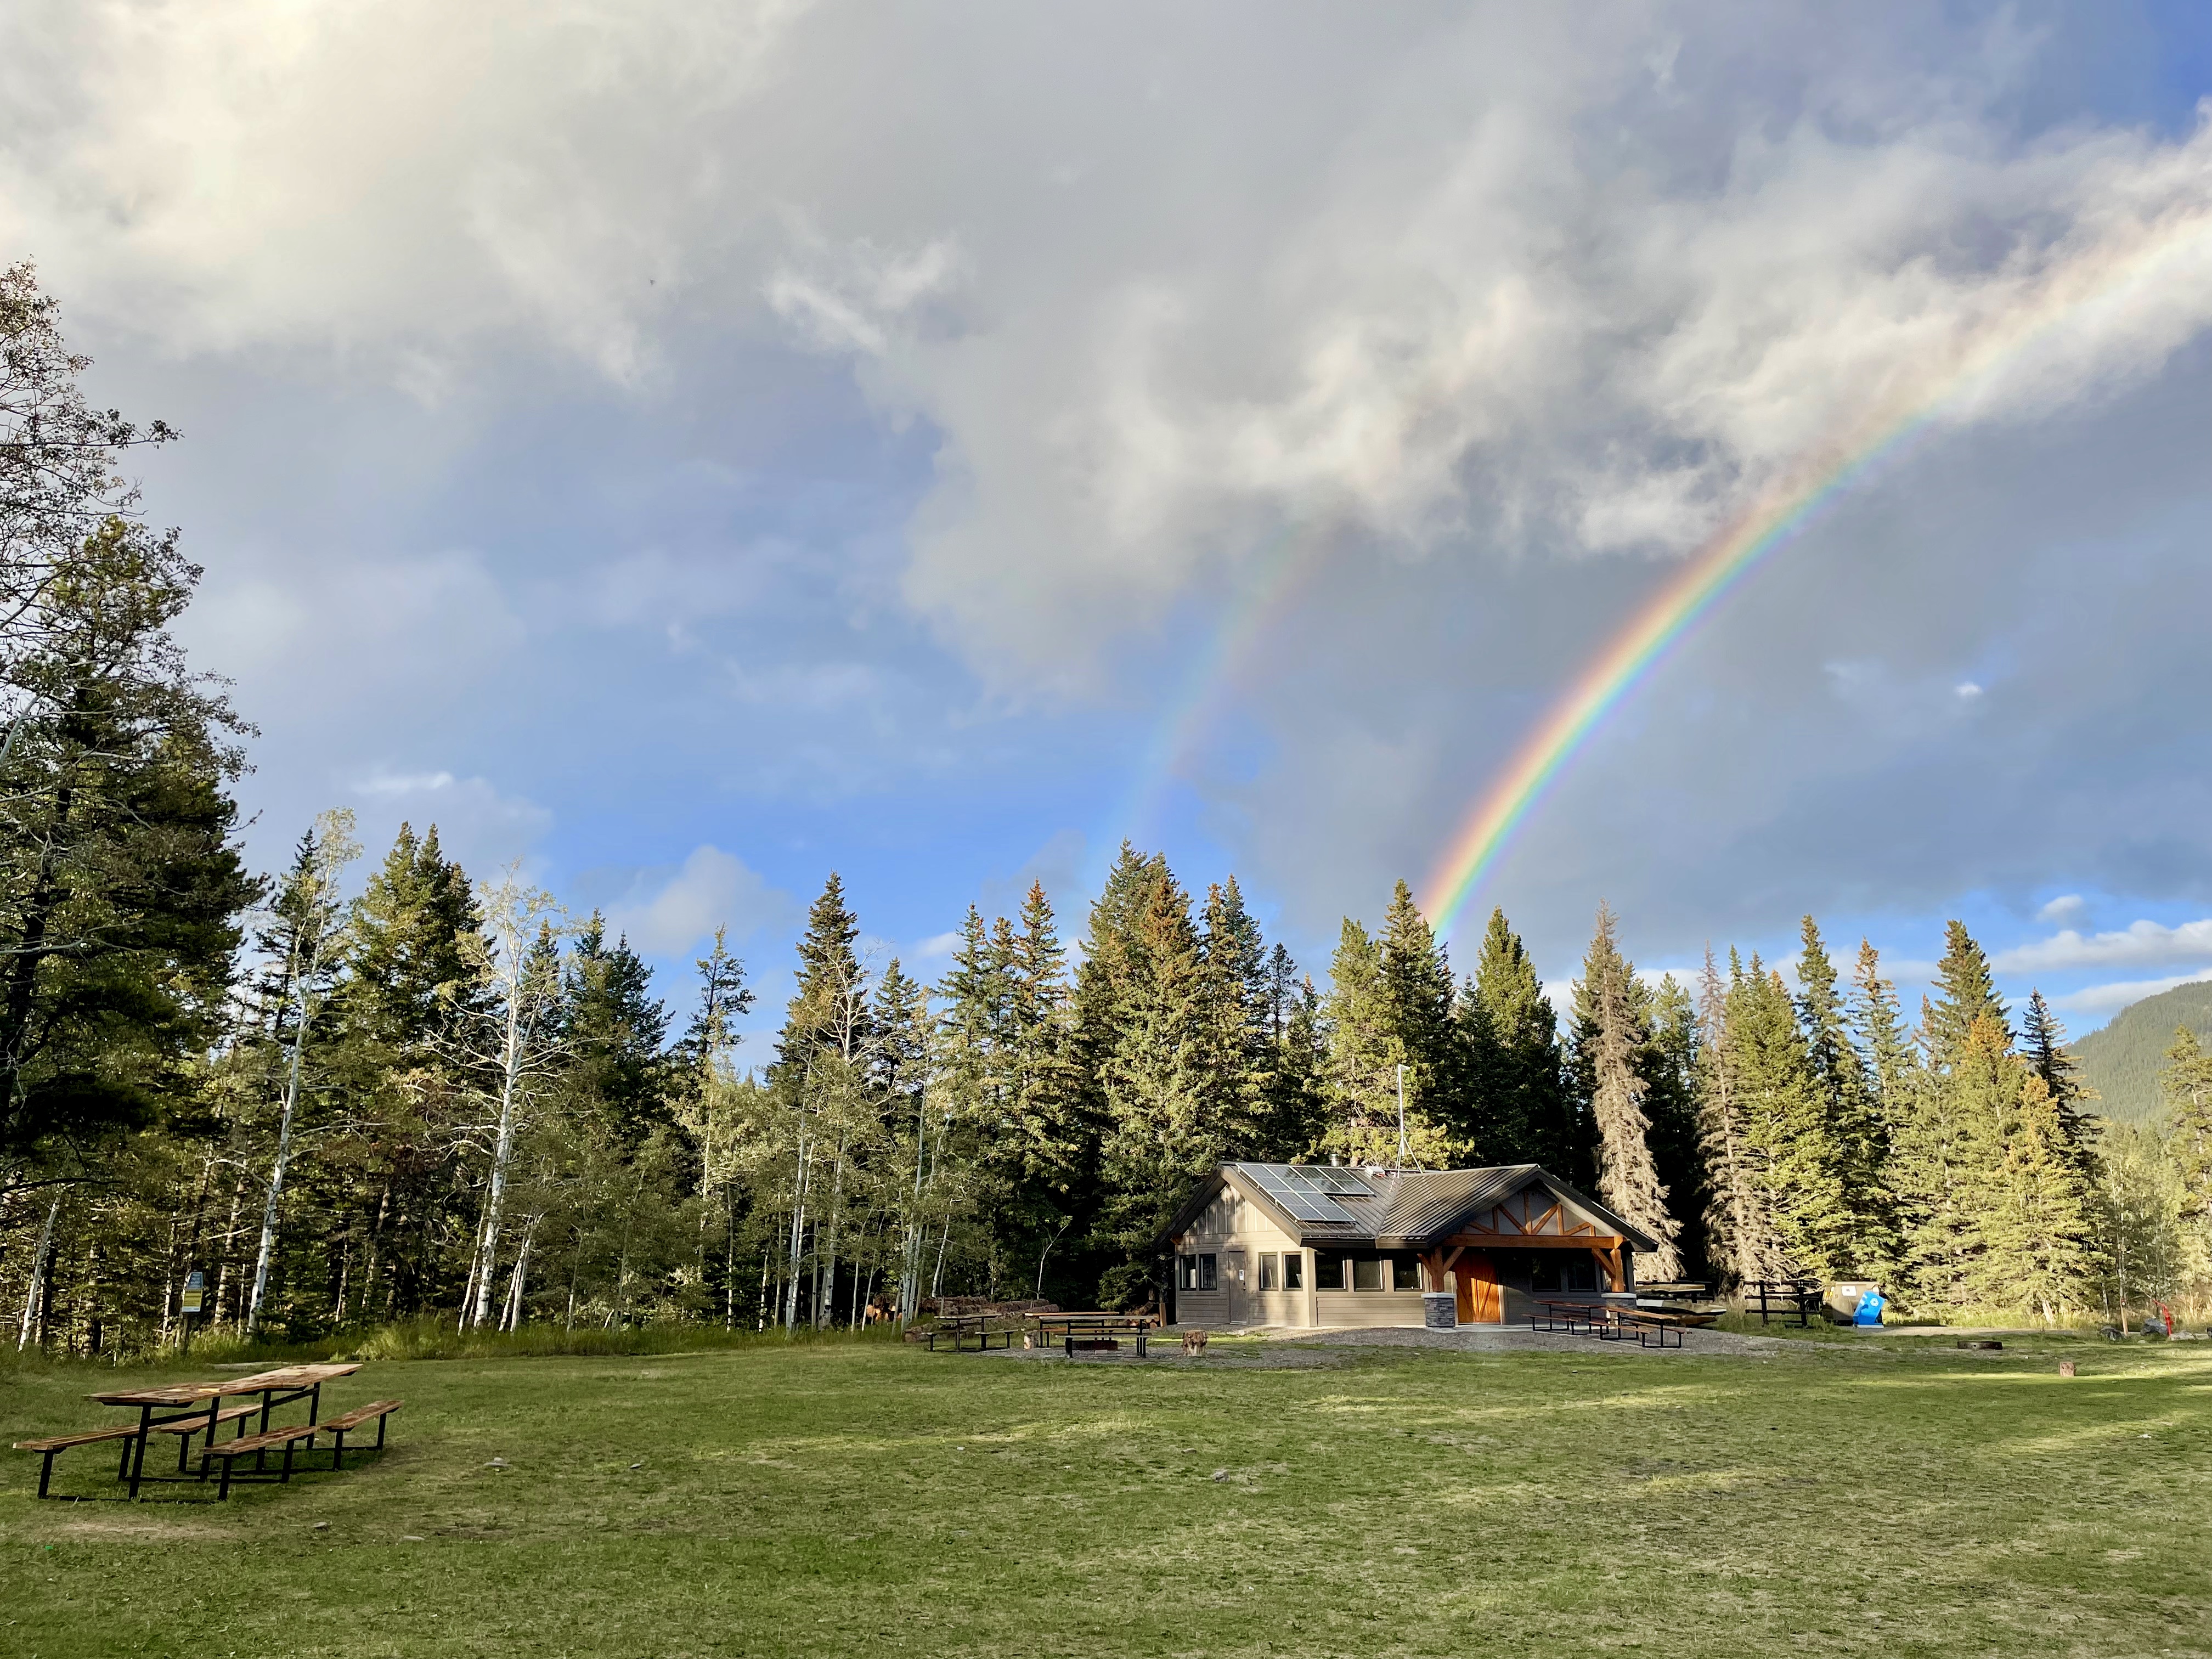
pixel 2122 1062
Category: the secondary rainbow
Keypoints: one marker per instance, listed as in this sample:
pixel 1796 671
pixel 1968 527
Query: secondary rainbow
pixel 1636 652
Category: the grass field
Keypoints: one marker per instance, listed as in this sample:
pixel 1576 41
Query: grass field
pixel 861 1499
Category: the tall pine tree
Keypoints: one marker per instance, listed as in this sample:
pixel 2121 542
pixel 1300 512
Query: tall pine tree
pixel 1609 1046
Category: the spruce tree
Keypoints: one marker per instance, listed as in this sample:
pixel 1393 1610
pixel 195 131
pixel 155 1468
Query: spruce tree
pixel 1797 1166
pixel 1054 1174
pixel 1854 1123
pixel 1366 1046
pixel 1610 1042
pixel 1294 1106
pixel 2043 1045
pixel 1669 1066
pixel 616 1033
pixel 1519 1109
pixel 1417 994
pixel 2185 1088
pixel 1966 992
pixel 1740 1240
pixel 829 1010
pixel 1160 1136
pixel 2036 1231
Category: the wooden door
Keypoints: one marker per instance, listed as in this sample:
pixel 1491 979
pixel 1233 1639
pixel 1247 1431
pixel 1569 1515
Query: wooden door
pixel 1235 1293
pixel 1480 1303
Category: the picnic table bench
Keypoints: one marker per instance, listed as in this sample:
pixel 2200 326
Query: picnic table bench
pixel 1788 1296
pixel 959 1327
pixel 1093 1332
pixel 1649 1327
pixel 188 1409
pixel 1609 1321
pixel 1575 1318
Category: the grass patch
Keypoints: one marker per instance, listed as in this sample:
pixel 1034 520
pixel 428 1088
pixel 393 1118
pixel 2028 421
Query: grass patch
pixel 857 1498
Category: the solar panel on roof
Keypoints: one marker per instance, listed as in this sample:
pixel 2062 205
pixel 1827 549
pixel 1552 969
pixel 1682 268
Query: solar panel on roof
pixel 1329 1178
pixel 1281 1182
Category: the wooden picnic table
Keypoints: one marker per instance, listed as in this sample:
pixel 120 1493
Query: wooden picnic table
pixel 1095 1326
pixel 190 1402
pixel 957 1326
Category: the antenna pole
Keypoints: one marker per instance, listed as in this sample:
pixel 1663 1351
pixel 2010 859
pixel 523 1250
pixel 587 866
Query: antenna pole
pixel 1402 1116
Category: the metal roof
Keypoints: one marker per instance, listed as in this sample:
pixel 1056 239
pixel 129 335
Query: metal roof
pixel 1402 1208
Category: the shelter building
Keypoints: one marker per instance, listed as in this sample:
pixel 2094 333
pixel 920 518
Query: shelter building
pixel 1322 1245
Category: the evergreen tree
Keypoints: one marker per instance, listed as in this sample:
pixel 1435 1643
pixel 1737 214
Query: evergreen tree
pixel 2043 1043
pixel 615 1032
pixel 1798 1170
pixel 1366 1046
pixel 829 1011
pixel 1417 995
pixel 1740 1239
pixel 1670 1066
pixel 1854 1123
pixel 120 887
pixel 2185 1086
pixel 2036 1230
pixel 1294 1105
pixel 1966 992
pixel 1610 1042
pixel 1950 1158
pixel 1055 1154
pixel 1160 1135
pixel 409 988
pixel 1518 1109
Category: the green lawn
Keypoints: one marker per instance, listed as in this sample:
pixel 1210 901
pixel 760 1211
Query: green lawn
pixel 862 1499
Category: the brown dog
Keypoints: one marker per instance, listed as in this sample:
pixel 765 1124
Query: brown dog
pixel 1193 1342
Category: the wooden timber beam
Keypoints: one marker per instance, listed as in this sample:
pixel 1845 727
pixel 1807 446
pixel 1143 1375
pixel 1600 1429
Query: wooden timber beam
pixel 1536 1241
pixel 1609 1258
pixel 1439 1264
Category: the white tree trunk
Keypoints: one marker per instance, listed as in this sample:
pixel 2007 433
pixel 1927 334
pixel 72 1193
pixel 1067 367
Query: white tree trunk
pixel 502 1154
pixel 268 1247
pixel 36 1295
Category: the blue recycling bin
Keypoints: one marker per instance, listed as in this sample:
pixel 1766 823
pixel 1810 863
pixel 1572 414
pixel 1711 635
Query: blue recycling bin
pixel 1869 1312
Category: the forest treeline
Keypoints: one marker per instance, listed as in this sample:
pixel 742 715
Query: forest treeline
pixel 361 1089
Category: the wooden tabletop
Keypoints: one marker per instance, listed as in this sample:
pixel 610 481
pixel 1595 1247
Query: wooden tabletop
pixel 185 1394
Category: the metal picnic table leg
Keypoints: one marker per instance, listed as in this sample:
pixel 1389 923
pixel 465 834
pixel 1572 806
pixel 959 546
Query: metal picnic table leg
pixel 138 1457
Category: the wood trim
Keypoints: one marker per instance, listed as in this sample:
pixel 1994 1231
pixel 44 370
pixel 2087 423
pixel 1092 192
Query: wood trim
pixel 1588 1240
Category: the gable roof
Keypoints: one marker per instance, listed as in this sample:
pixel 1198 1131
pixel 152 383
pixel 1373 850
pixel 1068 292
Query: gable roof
pixel 1395 1209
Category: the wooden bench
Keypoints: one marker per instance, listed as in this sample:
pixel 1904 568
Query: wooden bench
pixel 1643 1325
pixel 1575 1318
pixel 340 1426
pixel 59 1443
pixel 253 1445
pixel 192 1425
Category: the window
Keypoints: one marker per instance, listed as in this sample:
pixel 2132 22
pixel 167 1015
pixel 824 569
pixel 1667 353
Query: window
pixel 1206 1273
pixel 1294 1270
pixel 1366 1272
pixel 1270 1275
pixel 1404 1271
pixel 1331 1270
pixel 1195 1273
pixel 1562 1270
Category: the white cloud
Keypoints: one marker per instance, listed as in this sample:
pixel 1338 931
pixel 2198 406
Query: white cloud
pixel 1966 691
pixel 2110 998
pixel 713 889
pixel 938 947
pixel 478 823
pixel 2067 907
pixel 1389 288
pixel 2143 944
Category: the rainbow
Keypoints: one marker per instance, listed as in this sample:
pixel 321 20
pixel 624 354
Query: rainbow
pixel 1722 566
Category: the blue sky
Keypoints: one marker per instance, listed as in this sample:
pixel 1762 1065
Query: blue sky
pixel 689 450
